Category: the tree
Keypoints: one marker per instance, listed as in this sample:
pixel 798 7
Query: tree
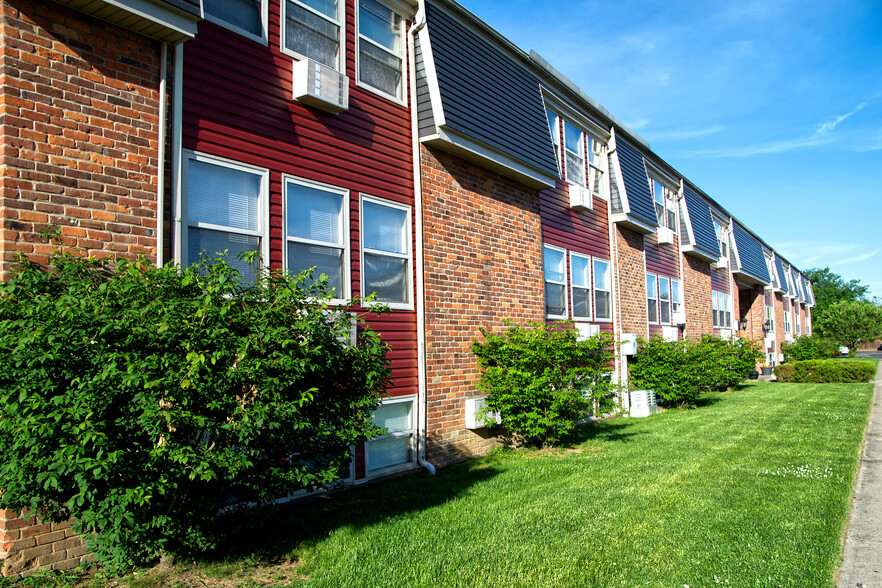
pixel 850 322
pixel 830 288
pixel 139 400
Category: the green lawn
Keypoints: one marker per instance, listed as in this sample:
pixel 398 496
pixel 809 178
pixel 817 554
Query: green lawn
pixel 750 489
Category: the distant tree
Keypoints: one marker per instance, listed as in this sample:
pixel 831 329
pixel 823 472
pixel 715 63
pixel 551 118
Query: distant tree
pixel 849 322
pixel 830 288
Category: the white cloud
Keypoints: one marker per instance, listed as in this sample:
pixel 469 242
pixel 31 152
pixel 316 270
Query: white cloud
pixel 807 254
pixel 677 135
pixel 858 258
pixel 638 124
pixel 831 126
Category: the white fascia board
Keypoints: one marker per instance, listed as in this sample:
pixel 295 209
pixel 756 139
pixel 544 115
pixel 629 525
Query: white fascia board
pixel 157 12
pixel 699 253
pixel 431 77
pixel 632 222
pixel 654 171
pixel 452 141
pixel 579 119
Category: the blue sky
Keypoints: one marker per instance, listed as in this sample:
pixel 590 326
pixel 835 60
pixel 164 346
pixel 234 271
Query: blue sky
pixel 773 108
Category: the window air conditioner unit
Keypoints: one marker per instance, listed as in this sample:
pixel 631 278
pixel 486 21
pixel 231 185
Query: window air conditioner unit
pixel 726 334
pixel 770 342
pixel 472 420
pixel 629 344
pixel 723 262
pixel 320 86
pixel 669 333
pixel 584 331
pixel 580 197
pixel 643 403
pixel 665 235
pixel 679 318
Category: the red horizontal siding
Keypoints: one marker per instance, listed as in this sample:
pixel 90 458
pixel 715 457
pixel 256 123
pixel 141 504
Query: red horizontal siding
pixel 238 105
pixel 720 279
pixel 662 259
pixel 581 231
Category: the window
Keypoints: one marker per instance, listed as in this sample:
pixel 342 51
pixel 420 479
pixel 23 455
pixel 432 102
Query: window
pixel 396 447
pixel 770 317
pixel 652 298
pixel 380 48
pixel 580 266
pixel 722 232
pixel 664 300
pixel 247 17
pixel 574 152
pixel 602 291
pixel 385 251
pixel 797 322
pixel 665 200
pixel 722 304
pixel 315 232
pixel 312 28
pixel 555 262
pixel 225 210
pixel 773 275
pixel 676 297
pixel 787 329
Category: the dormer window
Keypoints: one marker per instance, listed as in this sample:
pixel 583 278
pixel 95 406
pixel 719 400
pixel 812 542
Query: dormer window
pixel 574 149
pixel 664 199
pixel 582 160
pixel 380 49
pixel 722 232
pixel 312 29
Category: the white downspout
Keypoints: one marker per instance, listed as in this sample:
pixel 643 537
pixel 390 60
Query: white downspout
pixel 621 362
pixel 160 154
pixel 177 139
pixel 422 441
pixel 680 205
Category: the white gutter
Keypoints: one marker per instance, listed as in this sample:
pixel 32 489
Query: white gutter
pixel 160 154
pixel 419 22
pixel 177 139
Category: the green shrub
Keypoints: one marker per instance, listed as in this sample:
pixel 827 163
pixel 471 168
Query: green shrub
pixel 817 371
pixel 138 400
pixel 809 347
pixel 542 379
pixel 681 371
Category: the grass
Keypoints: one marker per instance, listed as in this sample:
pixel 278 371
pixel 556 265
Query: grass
pixel 750 489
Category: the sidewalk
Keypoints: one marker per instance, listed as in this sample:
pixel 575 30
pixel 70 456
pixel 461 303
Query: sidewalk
pixel 862 554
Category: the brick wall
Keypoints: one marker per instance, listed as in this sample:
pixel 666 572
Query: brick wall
pixel 751 301
pixel 79 100
pixel 483 264
pixel 780 337
pixel 631 296
pixel 697 297
pixel 29 545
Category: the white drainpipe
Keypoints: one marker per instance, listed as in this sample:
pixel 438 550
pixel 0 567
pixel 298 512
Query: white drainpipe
pixel 160 154
pixel 422 441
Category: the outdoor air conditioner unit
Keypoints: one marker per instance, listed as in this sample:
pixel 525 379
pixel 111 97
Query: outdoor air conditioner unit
pixel 472 421
pixel 629 344
pixel 643 403
pixel 580 197
pixel 584 331
pixel 679 317
pixel 665 235
pixel 320 86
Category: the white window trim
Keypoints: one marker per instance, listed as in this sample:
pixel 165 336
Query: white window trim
pixel 264 20
pixel 649 298
pixel 402 100
pixel 409 305
pixel 661 300
pixel 595 289
pixel 412 432
pixel 722 303
pixel 262 203
pixel 669 201
pixel 722 236
pixel 347 246
pixel 589 140
pixel 341 22
pixel 566 313
pixel 769 315
pixel 678 300
pixel 589 287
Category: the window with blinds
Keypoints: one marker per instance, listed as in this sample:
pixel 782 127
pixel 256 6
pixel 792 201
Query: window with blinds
pixel 396 447
pixel 602 291
pixel 581 283
pixel 555 262
pixel 315 232
pixel 225 211
pixel 385 251
pixel 380 48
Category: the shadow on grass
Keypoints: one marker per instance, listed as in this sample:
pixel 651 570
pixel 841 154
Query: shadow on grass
pixel 271 533
pixel 610 430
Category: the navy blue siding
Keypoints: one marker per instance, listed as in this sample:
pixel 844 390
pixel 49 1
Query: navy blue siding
pixel 191 6
pixel 782 276
pixel 425 117
pixel 636 183
pixel 487 95
pixel 702 223
pixel 750 253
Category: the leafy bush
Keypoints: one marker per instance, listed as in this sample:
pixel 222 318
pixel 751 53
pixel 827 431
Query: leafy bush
pixel 809 347
pixel 825 371
pixel 681 371
pixel 542 379
pixel 139 400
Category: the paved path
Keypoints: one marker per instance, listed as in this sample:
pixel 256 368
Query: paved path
pixel 862 554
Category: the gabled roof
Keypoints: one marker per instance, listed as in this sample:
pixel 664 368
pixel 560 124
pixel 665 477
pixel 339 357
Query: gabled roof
pixel 700 227
pixel 749 257
pixel 637 208
pixel 485 104
pixel 173 21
